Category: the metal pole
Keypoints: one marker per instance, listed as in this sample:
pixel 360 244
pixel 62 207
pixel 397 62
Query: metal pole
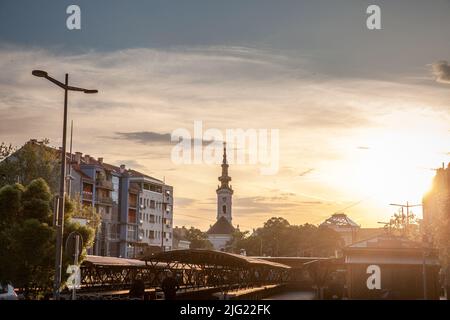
pixel 75 262
pixel 162 225
pixel 62 190
pixel 69 187
pixel 424 275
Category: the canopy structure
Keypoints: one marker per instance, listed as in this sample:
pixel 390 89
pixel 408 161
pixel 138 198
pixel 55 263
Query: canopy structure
pixel 193 268
pixel 212 258
pixel 111 261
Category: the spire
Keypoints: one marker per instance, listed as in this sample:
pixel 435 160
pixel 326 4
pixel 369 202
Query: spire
pixel 224 153
pixel 224 178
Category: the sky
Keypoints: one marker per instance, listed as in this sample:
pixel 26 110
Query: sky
pixel 363 115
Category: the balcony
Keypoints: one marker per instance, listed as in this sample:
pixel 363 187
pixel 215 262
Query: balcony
pixel 104 200
pixel 105 184
pixel 87 195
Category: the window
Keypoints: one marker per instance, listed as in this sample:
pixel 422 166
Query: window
pixel 152 204
pixel 131 233
pixel 151 234
pixel 155 188
pixel 152 218
pixel 224 209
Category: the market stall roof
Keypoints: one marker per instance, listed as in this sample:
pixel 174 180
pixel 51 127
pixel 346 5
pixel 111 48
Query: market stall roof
pixel 112 261
pixel 210 257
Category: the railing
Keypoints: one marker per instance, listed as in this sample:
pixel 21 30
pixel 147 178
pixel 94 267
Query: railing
pixel 104 200
pixel 104 184
pixel 87 195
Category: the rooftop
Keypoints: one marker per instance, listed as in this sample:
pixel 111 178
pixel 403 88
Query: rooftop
pixel 339 220
pixel 222 226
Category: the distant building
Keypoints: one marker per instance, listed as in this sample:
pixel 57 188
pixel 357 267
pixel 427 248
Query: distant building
pixel 349 230
pixel 179 239
pixel 222 231
pixel 344 226
pixel 136 210
pixel 436 201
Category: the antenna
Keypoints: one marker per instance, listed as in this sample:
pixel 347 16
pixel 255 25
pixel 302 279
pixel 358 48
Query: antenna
pixel 69 189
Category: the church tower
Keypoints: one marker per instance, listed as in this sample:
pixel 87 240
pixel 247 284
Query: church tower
pixel 224 190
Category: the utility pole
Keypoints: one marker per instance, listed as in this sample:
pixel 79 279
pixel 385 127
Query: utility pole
pixel 405 222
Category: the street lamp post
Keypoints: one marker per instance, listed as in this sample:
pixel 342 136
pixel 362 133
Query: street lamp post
pixel 62 187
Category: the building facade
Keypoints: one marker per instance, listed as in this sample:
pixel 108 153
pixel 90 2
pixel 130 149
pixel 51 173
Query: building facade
pixel 221 232
pixel 136 210
pixel 436 201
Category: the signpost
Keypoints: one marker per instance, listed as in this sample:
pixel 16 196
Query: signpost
pixel 74 243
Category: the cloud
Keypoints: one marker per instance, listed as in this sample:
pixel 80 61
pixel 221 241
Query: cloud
pixel 272 205
pixel 304 173
pixel 441 70
pixel 146 137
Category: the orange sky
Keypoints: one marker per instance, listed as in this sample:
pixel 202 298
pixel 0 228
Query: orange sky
pixel 342 140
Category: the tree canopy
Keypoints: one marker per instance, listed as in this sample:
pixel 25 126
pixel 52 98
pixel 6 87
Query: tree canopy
pixel 27 237
pixel 278 237
pixel 30 162
pixel 198 239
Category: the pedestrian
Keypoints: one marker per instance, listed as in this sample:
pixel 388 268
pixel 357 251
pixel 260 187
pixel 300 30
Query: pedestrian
pixel 137 291
pixel 170 286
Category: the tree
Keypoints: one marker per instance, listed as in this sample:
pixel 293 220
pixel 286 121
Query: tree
pixel 405 226
pixel 198 239
pixel 10 203
pixel 76 209
pixel 273 232
pixel 278 237
pixel 236 243
pixel 34 160
pixel 6 150
pixel 27 241
pixel 36 201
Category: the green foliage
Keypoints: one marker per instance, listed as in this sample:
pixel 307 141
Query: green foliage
pixel 32 161
pixel 75 209
pixel 36 201
pixel 27 240
pixel 198 239
pixel 10 203
pixel 279 238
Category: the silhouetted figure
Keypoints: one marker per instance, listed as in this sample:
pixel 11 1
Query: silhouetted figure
pixel 137 290
pixel 170 286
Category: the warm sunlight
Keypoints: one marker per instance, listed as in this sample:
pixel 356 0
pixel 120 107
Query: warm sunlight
pixel 393 166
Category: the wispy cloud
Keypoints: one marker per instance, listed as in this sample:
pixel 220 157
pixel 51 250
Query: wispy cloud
pixel 441 70
pixel 146 137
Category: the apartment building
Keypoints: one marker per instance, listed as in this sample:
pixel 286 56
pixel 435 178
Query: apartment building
pixel 136 210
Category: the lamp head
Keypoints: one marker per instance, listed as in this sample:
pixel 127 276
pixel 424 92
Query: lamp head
pixel 90 91
pixel 39 73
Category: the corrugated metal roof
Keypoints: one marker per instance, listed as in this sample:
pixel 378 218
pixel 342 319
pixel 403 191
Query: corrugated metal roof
pixel 210 257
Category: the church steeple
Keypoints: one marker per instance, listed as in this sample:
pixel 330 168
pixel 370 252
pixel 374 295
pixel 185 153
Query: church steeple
pixel 224 178
pixel 224 190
